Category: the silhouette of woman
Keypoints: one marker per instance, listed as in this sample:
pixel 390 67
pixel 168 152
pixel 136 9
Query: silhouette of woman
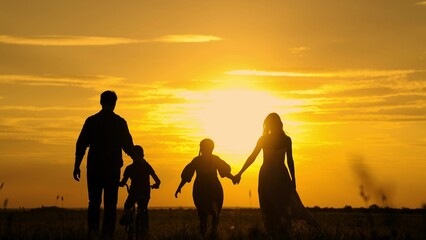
pixel 278 199
pixel 207 191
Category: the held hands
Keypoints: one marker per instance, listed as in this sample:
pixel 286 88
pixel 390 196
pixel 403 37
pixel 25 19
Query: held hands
pixel 121 184
pixel 236 179
pixel 155 186
pixel 76 174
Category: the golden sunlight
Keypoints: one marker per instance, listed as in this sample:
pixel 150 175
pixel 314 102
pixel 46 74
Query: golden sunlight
pixel 233 118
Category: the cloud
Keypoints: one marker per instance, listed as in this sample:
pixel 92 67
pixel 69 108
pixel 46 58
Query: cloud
pixel 44 129
pixel 57 40
pixel 190 38
pixel 299 50
pixel 131 92
pixel 390 95
pixel 249 72
pixel 396 95
pixel 60 40
pixel 39 109
pixel 373 87
pixel 49 120
pixel 340 74
pixel 133 95
pixel 423 3
pixel 93 82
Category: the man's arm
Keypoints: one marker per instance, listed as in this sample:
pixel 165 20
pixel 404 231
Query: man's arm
pixel 123 181
pixel 76 172
pixel 80 150
pixel 126 177
pixel 127 140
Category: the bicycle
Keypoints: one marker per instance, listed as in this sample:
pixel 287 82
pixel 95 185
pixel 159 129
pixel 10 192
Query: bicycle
pixel 138 224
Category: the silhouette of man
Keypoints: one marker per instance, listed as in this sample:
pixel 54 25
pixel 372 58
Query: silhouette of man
pixel 106 134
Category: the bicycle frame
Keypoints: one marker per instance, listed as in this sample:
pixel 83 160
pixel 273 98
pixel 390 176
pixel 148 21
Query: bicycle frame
pixel 138 222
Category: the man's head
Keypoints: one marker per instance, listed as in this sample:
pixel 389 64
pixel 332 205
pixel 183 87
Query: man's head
pixel 108 100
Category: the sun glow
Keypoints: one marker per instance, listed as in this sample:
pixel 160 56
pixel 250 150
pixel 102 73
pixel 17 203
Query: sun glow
pixel 233 118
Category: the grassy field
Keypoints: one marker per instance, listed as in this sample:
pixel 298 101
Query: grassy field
pixel 54 223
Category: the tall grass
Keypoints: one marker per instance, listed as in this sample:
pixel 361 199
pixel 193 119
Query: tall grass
pixel 235 224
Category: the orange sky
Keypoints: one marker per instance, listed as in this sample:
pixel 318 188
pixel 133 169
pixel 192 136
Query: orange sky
pixel 347 77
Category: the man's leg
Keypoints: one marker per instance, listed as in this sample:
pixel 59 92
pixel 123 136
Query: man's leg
pixel 110 204
pixel 94 186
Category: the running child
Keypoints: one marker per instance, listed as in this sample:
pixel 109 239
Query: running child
pixel 207 191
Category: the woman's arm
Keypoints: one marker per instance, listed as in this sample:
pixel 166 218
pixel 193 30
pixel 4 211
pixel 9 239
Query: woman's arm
pixel 249 161
pixel 290 163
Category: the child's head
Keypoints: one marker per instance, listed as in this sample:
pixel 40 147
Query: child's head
pixel 138 151
pixel 206 146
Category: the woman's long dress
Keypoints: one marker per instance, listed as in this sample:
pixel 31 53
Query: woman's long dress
pixel 278 199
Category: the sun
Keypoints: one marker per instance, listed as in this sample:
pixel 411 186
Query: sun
pixel 233 118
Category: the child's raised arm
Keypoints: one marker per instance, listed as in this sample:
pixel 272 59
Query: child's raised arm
pixel 224 169
pixel 179 188
pixel 186 176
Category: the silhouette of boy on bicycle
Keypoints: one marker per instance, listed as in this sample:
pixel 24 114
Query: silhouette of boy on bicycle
pixel 139 173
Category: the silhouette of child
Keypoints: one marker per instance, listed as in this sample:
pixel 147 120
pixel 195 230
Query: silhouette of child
pixel 207 191
pixel 140 189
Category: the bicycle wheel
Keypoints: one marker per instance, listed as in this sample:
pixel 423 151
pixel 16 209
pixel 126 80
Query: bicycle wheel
pixel 131 225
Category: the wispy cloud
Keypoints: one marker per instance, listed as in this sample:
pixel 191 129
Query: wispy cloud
pixel 57 80
pixel 250 72
pixel 56 121
pixel 50 130
pixel 131 92
pixel 299 50
pixel 190 38
pixel 59 40
pixel 39 109
pixel 421 3
pixel 342 74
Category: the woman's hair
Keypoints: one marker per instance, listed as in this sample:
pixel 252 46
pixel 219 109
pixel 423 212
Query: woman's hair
pixel 272 123
pixel 206 145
